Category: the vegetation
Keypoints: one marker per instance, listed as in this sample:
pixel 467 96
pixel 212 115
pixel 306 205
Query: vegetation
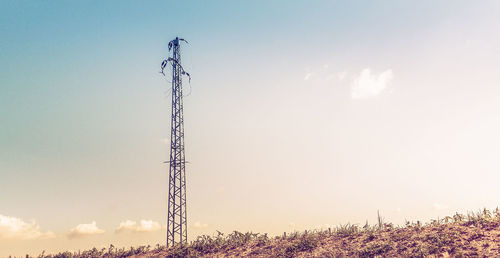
pixel 474 234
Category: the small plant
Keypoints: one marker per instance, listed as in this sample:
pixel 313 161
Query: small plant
pixel 380 221
pixel 458 218
pixel 347 230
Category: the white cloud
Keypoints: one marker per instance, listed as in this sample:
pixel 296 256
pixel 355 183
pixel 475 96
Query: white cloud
pixel 307 76
pixel 198 225
pixel 369 85
pixel 15 228
pixel 142 226
pixel 85 230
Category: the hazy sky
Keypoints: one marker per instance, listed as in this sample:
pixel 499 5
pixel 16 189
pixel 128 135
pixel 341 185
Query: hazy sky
pixel 302 114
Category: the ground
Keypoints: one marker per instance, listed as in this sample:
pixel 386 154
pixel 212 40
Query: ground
pixel 473 235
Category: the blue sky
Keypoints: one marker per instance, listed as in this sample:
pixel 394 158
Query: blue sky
pixel 301 114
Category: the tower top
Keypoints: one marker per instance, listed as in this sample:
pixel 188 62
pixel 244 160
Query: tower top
pixel 175 42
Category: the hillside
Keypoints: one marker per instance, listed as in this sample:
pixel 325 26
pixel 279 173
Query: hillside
pixel 475 234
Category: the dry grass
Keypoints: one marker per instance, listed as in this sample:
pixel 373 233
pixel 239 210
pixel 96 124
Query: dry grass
pixel 474 234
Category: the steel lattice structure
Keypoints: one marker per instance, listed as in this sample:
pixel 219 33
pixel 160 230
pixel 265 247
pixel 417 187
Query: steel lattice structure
pixel 177 219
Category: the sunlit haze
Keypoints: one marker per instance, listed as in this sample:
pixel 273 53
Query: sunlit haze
pixel 299 115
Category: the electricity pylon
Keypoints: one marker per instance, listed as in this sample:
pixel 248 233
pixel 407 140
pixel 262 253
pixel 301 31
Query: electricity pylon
pixel 177 219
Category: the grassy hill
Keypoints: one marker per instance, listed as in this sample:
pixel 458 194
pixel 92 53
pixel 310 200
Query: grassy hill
pixel 474 234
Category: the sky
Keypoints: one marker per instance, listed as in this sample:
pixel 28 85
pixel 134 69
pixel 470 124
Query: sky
pixel 299 115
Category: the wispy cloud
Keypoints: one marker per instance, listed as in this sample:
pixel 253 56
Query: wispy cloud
pixel 142 226
pixel 368 85
pixel 324 75
pixel 199 225
pixel 308 76
pixel 82 230
pixel 15 228
pixel 438 207
pixel 340 76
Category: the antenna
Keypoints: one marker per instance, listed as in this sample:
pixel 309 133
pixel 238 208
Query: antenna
pixel 177 219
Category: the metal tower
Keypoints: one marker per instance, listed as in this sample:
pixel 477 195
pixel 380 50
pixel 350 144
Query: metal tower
pixel 176 221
